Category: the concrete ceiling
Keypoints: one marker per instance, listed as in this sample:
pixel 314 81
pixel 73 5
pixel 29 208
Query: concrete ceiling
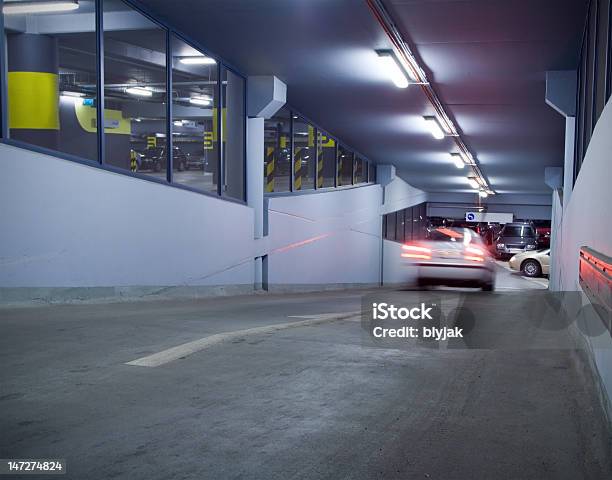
pixel 486 59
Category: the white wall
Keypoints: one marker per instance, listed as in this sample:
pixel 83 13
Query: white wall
pixel 71 225
pixel 586 221
pixel 325 238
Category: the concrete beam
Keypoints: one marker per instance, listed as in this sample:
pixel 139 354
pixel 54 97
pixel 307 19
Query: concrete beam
pixel 561 91
pixel 267 94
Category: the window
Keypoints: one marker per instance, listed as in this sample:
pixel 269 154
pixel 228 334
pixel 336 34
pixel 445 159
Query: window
pixel 371 172
pixel 345 166
pixel 303 154
pixel 326 160
pixel 360 170
pixel 399 226
pixel 51 81
pixel 277 155
pixel 407 224
pixel 602 52
pixel 195 107
pixel 390 234
pixel 233 134
pixel 135 127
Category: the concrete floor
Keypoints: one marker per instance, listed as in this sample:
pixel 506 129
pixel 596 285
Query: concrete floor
pixel 309 402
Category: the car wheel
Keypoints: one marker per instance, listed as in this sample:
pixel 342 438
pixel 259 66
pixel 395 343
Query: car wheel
pixel 157 166
pixel 531 268
pixel 487 287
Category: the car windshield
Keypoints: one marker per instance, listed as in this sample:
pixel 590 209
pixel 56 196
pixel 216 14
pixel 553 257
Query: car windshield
pixel 518 231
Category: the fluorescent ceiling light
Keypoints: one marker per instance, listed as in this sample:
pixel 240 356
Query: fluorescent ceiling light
pixel 16 8
pixel 391 66
pixel 482 194
pixel 457 160
pixel 473 183
pixel 201 100
pixel 434 127
pixel 67 93
pixel 140 91
pixel 177 123
pixel 201 60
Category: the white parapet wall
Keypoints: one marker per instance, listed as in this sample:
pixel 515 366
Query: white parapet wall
pixel 586 221
pixel 325 239
pixel 71 231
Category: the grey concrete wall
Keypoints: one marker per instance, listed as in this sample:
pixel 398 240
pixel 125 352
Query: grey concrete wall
pixel 586 221
pixel 70 225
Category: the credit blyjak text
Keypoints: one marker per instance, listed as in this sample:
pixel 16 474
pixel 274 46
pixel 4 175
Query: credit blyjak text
pixel 385 311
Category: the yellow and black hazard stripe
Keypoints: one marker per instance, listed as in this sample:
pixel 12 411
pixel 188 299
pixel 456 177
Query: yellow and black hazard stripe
pixel 269 169
pixel 151 142
pixel 320 168
pixel 133 162
pixel 297 169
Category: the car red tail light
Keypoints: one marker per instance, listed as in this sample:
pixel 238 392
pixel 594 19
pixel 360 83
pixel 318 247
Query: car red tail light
pixel 474 253
pixel 414 251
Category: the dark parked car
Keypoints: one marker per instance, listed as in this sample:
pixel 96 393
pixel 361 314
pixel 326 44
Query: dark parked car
pixel 543 237
pixel 155 159
pixel 515 238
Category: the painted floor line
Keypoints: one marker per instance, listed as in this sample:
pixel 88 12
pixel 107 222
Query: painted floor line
pixel 189 348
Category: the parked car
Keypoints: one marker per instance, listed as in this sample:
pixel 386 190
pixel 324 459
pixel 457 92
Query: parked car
pixel 155 159
pixel 451 256
pixel 195 161
pixel 515 238
pixel 543 237
pixel 532 264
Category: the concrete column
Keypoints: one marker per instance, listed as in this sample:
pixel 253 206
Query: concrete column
pixel 568 164
pixel 255 171
pixel 33 89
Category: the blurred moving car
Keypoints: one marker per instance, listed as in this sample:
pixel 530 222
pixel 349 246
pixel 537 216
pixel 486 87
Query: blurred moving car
pixel 515 238
pixel 451 256
pixel 532 264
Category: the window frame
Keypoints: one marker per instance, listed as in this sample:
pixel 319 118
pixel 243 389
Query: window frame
pixel 100 163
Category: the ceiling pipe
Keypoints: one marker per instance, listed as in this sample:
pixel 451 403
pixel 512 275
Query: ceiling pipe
pixel 408 58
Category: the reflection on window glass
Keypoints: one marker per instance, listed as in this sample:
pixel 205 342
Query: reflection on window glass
pixel 326 163
pixel 194 117
pixel 399 226
pixel 134 91
pixel 371 172
pixel 360 170
pixel 303 154
pixel 345 166
pixel 277 154
pixel 233 128
pixel 391 226
pixel 51 80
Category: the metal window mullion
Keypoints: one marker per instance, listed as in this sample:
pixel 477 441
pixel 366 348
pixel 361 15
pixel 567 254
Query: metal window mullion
pixel 4 129
pixel 354 169
pixel 100 81
pixel 337 159
pixel 594 69
pixel 169 148
pixel 316 157
pixel 291 156
pixel 220 148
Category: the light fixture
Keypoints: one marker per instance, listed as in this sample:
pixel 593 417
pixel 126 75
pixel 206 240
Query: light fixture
pixel 392 67
pixel 16 8
pixel 457 160
pixel 139 91
pixel 200 100
pixel 138 119
pixel 434 127
pixel 482 194
pixel 67 93
pixel 200 60
pixel 473 183
pixel 177 123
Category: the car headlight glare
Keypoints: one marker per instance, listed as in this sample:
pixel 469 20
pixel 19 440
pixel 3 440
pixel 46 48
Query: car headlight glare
pixel 531 247
pixel 501 245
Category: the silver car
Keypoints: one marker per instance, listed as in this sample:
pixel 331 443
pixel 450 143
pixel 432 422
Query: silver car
pixel 453 257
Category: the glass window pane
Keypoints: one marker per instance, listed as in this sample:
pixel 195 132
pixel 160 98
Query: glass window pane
pixel 408 225
pixel 233 127
pixel 391 226
pixel 195 106
pixel 345 166
pixel 134 91
pixel 399 226
pixel 601 55
pixel 372 173
pixel 51 80
pixel 360 170
pixel 303 154
pixel 277 159
pixel 326 168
